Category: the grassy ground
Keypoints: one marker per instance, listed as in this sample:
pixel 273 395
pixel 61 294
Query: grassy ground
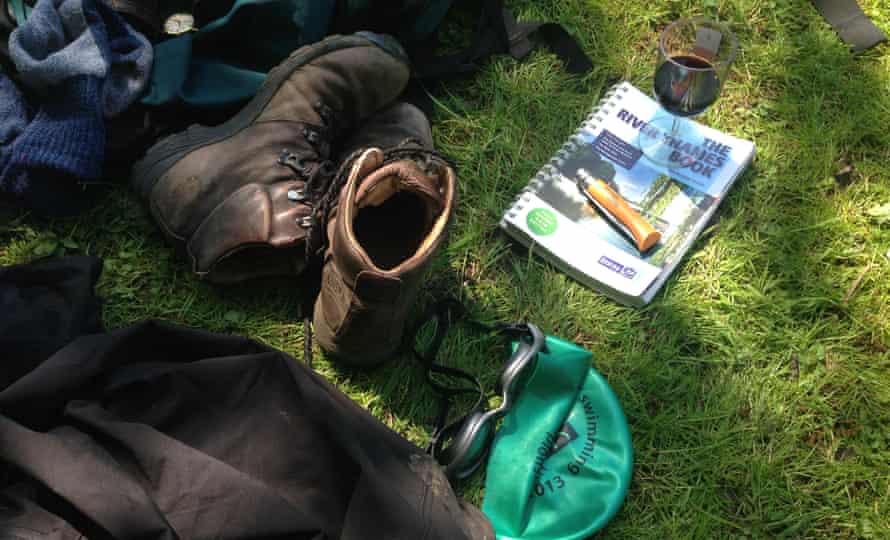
pixel 756 384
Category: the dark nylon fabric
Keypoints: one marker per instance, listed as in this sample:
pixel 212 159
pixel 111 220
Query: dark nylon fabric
pixel 43 307
pixel 158 432
pixel 410 21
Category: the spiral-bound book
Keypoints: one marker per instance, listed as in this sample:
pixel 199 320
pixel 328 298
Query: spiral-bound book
pixel 553 217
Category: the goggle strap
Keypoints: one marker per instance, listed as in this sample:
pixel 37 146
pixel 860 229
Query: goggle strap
pixel 445 312
pixel 446 396
pixel 442 313
pixel 455 373
pixel 443 431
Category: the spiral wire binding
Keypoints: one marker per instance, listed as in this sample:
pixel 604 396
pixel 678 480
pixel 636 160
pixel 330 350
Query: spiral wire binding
pixel 596 116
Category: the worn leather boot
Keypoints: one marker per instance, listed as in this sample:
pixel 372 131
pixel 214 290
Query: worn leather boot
pixel 240 198
pixel 391 217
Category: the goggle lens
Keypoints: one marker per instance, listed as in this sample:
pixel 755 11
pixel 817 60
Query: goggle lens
pixel 469 447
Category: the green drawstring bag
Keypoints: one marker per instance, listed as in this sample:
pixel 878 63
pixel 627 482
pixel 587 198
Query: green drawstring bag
pixel 561 462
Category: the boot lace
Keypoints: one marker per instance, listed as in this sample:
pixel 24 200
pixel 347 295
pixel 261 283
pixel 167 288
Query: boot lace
pixel 317 181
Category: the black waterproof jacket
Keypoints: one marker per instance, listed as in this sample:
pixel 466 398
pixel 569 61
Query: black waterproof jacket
pixel 162 432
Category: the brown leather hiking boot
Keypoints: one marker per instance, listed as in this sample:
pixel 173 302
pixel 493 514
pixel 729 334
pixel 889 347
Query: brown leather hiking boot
pixel 239 198
pixel 390 219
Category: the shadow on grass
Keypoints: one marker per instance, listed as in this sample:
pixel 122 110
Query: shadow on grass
pixel 746 383
pixel 768 403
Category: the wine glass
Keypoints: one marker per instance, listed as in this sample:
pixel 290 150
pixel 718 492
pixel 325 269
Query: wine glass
pixel 693 60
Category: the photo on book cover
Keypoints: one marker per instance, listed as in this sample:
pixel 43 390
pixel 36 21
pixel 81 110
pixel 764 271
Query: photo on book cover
pixel 669 205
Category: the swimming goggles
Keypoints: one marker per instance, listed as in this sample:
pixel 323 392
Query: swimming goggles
pixel 462 446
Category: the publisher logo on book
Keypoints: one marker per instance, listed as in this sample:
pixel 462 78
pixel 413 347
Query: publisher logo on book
pixel 617 267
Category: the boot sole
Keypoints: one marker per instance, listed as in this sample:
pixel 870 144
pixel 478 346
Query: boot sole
pixel 164 154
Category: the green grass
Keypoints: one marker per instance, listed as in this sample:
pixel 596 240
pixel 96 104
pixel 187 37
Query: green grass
pixel 757 384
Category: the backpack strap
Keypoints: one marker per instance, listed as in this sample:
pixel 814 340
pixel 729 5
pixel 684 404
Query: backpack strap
pixel 554 35
pixel 851 23
pixel 497 32
pixel 12 14
pixel 20 10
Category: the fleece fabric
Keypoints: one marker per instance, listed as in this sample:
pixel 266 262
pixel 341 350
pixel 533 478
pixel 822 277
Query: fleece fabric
pixel 14 116
pixel 82 64
pixel 60 147
pixel 64 39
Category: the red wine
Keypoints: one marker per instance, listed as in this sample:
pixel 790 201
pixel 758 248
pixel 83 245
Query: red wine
pixel 683 91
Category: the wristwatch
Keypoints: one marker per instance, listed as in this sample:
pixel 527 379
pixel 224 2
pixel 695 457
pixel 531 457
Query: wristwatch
pixel 179 23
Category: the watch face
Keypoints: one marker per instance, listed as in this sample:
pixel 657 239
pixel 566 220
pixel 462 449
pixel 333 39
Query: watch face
pixel 179 23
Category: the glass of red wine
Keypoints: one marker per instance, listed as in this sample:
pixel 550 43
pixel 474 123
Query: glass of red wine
pixel 693 61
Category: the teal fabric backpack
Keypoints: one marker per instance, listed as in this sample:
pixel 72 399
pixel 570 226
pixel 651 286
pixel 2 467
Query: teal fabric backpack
pixel 222 60
pixel 214 54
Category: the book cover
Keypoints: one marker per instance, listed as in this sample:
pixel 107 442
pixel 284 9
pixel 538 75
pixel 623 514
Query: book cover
pixel 554 218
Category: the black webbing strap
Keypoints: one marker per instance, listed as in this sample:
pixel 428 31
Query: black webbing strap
pixel 20 10
pixel 497 32
pixel 851 23
pixel 557 38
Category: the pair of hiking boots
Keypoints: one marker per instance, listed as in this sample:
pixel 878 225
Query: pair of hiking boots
pixel 266 193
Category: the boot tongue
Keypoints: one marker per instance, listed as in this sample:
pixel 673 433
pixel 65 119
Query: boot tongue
pixel 401 176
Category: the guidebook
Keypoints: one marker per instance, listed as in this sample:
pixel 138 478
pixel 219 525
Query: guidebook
pixel 554 218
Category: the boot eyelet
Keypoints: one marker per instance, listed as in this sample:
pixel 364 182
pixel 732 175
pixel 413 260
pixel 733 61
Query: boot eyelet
pixel 296 195
pixel 326 113
pixel 285 157
pixel 293 162
pixel 311 135
pixel 306 222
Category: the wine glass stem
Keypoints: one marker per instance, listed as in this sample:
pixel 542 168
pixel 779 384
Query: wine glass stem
pixel 675 125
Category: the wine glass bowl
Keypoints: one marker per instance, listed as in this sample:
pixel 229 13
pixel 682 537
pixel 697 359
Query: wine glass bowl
pixel 694 56
pixel 692 63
